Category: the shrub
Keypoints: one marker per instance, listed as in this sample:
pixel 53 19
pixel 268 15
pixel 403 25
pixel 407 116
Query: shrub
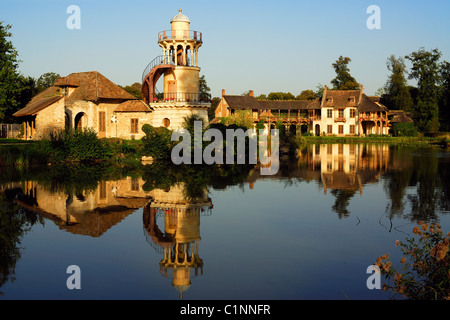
pixel 157 142
pixel 425 269
pixel 401 129
pixel 74 146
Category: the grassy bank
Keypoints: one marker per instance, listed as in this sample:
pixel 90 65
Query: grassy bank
pixel 70 148
pixel 419 141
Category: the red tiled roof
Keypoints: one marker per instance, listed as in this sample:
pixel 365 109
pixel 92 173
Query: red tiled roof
pixel 133 106
pixel 89 86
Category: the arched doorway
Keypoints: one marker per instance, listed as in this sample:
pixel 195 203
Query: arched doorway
pixel 292 130
pixel 304 128
pixel 80 121
pixel 317 130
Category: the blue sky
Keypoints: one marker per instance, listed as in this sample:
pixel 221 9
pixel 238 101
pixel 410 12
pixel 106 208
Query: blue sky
pixel 261 45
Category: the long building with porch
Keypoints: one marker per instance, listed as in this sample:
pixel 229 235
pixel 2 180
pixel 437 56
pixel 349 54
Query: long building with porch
pixel 337 112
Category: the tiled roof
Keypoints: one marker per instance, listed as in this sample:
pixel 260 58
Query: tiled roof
pixel 341 98
pixel 39 102
pixel 249 102
pixel 89 86
pixel 367 105
pixel 92 86
pixel 133 106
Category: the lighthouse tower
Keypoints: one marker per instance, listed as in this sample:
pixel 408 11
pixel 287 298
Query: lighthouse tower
pixel 178 65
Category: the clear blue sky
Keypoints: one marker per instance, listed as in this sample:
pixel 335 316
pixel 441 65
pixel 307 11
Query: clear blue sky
pixel 262 45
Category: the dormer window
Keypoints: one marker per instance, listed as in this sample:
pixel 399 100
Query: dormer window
pixel 330 99
pixel 351 99
pixel 63 91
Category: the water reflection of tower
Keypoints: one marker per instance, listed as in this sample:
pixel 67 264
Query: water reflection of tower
pixel 179 242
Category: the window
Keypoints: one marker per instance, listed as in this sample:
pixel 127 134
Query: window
pixel 341 129
pixel 329 149
pixel 352 113
pixel 341 113
pixel 329 129
pixel 134 184
pixel 352 129
pixel 102 189
pixel 101 121
pixel 134 125
pixel 330 113
pixel 166 122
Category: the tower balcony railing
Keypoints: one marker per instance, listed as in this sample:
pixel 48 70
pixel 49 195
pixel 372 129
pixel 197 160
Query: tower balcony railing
pixel 172 97
pixel 180 35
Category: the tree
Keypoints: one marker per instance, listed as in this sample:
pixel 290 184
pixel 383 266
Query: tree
pixel 425 70
pixel 280 96
pixel 396 93
pixel 46 80
pixel 343 80
pixel 306 95
pixel 204 90
pixel 28 90
pixel 212 110
pixel 135 90
pixel 9 75
pixel 444 97
pixel 319 91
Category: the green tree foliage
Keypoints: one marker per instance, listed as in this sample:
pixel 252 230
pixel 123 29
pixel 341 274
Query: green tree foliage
pixel 280 96
pixel 396 94
pixel 401 129
pixel 157 142
pixel 204 90
pixel 306 95
pixel 425 70
pixel 444 97
pixel 10 79
pixel 241 118
pixel 74 146
pixel 28 90
pixel 344 80
pixel 135 90
pixel 45 81
pixel 212 110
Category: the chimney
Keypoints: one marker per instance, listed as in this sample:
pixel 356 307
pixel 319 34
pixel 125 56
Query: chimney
pixel 223 92
pixel 250 93
pixel 361 88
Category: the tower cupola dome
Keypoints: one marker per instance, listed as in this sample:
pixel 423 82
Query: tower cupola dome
pixel 180 18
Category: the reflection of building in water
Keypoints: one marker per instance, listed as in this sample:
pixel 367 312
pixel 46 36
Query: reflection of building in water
pixel 335 166
pixel 86 212
pixel 180 239
pixel 348 166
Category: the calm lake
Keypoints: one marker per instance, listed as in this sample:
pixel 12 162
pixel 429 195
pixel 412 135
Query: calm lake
pixel 309 232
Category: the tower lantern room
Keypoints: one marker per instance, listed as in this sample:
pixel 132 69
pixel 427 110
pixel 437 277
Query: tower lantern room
pixel 179 67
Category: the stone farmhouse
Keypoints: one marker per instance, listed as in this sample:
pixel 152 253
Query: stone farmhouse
pixel 90 100
pixel 337 112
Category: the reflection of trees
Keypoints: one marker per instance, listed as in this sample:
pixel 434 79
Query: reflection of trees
pixel 430 175
pixel 162 175
pixel 15 222
pixel 397 179
pixel 342 201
